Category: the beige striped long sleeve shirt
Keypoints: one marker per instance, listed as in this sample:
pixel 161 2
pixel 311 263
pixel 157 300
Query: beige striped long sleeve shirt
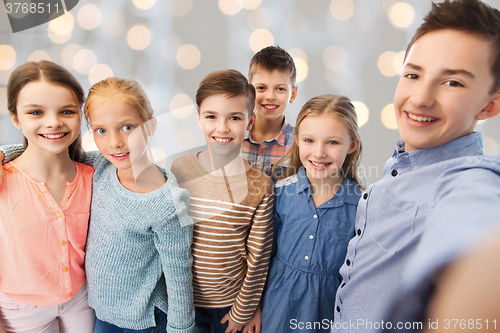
pixel 232 236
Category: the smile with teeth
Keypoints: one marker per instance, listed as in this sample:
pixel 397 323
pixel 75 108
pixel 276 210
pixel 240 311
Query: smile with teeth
pixel 270 106
pixel 222 140
pixel 53 136
pixel 419 118
pixel 320 164
pixel 119 155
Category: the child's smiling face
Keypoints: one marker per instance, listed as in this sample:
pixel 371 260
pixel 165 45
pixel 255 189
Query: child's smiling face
pixel 444 88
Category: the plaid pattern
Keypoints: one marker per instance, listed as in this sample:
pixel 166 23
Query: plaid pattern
pixel 266 155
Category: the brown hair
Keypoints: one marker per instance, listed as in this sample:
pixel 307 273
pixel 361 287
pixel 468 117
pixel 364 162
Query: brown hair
pixel 52 73
pixel 333 106
pixel 273 58
pixel 228 82
pixel 126 90
pixel 470 16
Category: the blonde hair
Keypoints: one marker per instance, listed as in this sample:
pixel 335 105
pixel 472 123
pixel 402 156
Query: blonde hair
pixel 334 106
pixel 126 90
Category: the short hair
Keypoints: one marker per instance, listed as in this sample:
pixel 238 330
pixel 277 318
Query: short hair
pixel 126 90
pixel 50 72
pixel 470 16
pixel 228 82
pixel 273 58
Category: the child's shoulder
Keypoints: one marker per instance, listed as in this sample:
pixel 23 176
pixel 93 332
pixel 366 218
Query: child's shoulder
pixel 84 168
pixel 286 181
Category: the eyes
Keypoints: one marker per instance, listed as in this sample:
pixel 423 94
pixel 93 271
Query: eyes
pixel 64 112
pixel 331 142
pixel 124 128
pixel 451 83
pixel 263 88
pixel 213 117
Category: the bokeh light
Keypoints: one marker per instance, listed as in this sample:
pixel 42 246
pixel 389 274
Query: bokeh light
pixel 89 17
pixel 144 4
pixel 68 55
pixel 180 7
pixel 230 7
pixel 84 60
pixel 249 4
pixel 139 37
pixel 7 57
pixel 490 146
pixel 335 57
pixel 188 56
pixel 401 15
pixel 342 10
pixel 39 55
pixel 113 23
pixel 182 106
pixel 259 18
pixel 99 72
pixel 260 38
pixel 61 28
pixel 388 117
pixel 386 63
pixel 362 112
pixel 17 11
pixel 300 60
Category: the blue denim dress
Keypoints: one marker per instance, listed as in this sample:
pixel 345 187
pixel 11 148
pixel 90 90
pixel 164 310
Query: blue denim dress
pixel 310 245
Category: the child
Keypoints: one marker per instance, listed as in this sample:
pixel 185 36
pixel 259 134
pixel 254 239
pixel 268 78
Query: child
pixel 314 216
pixel 439 192
pixel 44 206
pixel 138 260
pixel 272 72
pixel 231 204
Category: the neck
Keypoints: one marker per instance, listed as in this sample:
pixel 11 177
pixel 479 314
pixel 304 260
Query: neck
pixel 327 186
pixel 222 165
pixel 267 129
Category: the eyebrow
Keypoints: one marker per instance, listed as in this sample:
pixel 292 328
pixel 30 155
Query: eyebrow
pixel 446 71
pixel 41 106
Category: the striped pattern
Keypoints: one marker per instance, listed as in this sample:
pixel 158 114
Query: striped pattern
pixel 232 236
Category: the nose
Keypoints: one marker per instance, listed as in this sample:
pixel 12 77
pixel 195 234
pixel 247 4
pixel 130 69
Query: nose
pixel 319 151
pixel 423 95
pixel 222 126
pixel 115 141
pixel 270 94
pixel 54 121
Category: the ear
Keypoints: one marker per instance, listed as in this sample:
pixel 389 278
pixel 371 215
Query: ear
pixel 251 122
pixel 294 94
pixel 354 147
pixel 492 109
pixel 200 123
pixel 15 121
pixel 151 126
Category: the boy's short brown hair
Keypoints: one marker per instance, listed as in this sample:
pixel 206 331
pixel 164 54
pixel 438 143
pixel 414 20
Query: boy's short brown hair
pixel 470 16
pixel 228 82
pixel 273 58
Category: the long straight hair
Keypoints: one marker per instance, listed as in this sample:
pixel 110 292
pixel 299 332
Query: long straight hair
pixel 332 106
pixel 52 73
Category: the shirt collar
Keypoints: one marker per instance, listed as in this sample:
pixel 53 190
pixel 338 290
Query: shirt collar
pixel 468 145
pixel 280 138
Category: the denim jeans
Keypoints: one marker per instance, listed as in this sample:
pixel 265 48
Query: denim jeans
pixel 161 325
pixel 208 320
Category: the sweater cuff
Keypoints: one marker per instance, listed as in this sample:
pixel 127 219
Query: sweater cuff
pixel 170 329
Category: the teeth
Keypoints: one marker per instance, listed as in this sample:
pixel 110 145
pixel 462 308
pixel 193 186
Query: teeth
pixel 270 107
pixel 418 118
pixel 320 164
pixel 222 140
pixel 120 155
pixel 53 136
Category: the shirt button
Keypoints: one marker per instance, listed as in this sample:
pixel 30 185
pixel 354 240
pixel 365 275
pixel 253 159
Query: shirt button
pixel 338 308
pixel 70 294
pixel 311 237
pixel 359 232
pixel 59 215
pixel 342 286
pixel 66 269
pixel 315 216
pixel 348 262
pixel 394 173
pixel 365 196
pixel 64 242
pixel 261 151
pixel 306 257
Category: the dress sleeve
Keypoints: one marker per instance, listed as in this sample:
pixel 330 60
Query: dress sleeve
pixel 173 241
pixel 258 246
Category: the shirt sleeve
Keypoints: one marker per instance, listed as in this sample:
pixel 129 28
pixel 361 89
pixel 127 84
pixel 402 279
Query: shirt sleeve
pixel 258 245
pixel 173 242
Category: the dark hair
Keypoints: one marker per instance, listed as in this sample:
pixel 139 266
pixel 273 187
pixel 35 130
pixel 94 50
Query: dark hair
pixel 470 16
pixel 126 90
pixel 333 106
pixel 273 58
pixel 228 82
pixel 53 73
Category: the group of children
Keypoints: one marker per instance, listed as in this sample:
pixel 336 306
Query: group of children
pixel 268 230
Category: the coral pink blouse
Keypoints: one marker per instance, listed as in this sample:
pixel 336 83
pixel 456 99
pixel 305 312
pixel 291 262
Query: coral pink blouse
pixel 42 243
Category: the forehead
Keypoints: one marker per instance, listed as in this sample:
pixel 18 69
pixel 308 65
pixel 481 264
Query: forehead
pixel 323 125
pixel 275 76
pixel 109 111
pixel 45 94
pixel 220 103
pixel 452 49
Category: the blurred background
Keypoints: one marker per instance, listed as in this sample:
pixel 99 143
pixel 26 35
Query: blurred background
pixel 348 47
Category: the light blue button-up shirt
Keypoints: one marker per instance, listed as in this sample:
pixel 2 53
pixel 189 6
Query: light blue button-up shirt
pixel 429 200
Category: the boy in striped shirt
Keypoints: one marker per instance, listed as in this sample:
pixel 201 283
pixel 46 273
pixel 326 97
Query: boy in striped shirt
pixel 231 205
